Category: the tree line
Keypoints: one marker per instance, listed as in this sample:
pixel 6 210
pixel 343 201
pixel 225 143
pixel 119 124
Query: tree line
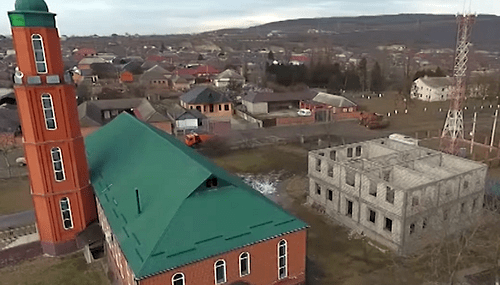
pixel 333 76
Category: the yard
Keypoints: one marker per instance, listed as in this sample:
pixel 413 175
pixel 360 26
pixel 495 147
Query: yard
pixel 15 195
pixel 71 269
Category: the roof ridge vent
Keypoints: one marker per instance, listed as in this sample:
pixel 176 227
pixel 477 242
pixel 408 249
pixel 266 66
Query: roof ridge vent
pixel 138 199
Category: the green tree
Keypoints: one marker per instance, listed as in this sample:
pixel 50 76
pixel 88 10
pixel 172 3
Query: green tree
pixel 377 79
pixel 362 73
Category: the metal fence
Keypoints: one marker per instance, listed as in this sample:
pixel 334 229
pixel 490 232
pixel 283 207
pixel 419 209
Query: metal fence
pixel 10 235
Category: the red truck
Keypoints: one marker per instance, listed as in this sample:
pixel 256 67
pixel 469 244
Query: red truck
pixel 373 120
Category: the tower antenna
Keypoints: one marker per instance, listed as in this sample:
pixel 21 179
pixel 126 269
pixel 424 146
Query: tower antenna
pixel 454 124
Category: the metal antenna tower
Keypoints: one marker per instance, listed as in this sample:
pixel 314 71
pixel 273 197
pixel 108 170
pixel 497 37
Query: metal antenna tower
pixel 454 124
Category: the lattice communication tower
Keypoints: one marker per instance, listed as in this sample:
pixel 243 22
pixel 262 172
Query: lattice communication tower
pixel 454 124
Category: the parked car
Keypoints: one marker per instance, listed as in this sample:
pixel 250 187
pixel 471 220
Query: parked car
pixel 304 112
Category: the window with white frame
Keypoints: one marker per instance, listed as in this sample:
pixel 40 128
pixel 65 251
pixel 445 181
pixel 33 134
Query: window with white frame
pixel 178 279
pixel 57 164
pixel 220 271
pixel 66 213
pixel 40 63
pixel 48 112
pixel 244 264
pixel 282 254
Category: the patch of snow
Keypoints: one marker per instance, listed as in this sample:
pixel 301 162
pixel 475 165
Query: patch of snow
pixel 265 184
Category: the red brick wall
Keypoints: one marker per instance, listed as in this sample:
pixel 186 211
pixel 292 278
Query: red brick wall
pixel 346 116
pixel 164 126
pixel 263 265
pixel 294 121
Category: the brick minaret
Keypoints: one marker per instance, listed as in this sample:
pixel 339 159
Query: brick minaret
pixel 53 144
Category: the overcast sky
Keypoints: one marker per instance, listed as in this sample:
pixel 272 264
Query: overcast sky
pixel 104 17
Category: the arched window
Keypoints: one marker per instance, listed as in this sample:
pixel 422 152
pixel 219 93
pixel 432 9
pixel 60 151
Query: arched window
pixel 178 279
pixel 244 264
pixel 220 271
pixel 48 112
pixel 282 254
pixel 40 63
pixel 66 213
pixel 57 164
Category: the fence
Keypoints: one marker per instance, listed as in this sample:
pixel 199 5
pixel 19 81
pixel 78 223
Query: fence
pixel 249 118
pixel 12 234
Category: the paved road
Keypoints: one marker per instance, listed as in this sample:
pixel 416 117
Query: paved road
pixel 17 219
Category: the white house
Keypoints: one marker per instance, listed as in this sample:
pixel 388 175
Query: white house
pixel 431 88
pixel 228 76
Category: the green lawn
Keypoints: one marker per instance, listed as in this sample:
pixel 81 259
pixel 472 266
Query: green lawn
pixel 15 195
pixel 68 270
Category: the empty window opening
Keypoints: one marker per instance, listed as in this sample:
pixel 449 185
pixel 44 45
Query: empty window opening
pixel 244 264
pixel 211 107
pixel 40 63
pixel 226 107
pixel 412 228
pixel 358 150
pixel 389 195
pixel 282 262
pixel 349 152
pixel 371 216
pixel 373 189
pixel 414 201
pixel 349 208
pixel 462 208
pixel 330 170
pixel 350 177
pixel 178 279
pixel 424 223
pixel 321 154
pixel 333 155
pixel 220 272
pixel 330 195
pixel 66 213
pixel 318 164
pixel 57 164
pixel 474 202
pixel 386 175
pixel 388 224
pixel 198 108
pixel 220 107
pixel 48 112
pixel 318 189
pixel 466 185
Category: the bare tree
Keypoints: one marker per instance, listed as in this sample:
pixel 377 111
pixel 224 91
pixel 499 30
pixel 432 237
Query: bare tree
pixel 7 145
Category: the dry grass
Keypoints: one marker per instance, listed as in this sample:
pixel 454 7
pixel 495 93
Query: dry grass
pixel 15 195
pixel 71 269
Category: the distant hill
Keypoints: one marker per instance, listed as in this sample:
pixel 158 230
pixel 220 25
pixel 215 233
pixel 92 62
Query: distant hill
pixel 412 29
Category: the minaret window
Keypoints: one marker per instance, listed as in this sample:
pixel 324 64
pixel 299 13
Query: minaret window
pixel 41 64
pixel 48 112
pixel 66 213
pixel 58 164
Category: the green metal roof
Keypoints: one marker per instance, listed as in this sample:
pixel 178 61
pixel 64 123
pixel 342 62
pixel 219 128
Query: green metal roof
pixel 31 13
pixel 181 221
pixel 31 5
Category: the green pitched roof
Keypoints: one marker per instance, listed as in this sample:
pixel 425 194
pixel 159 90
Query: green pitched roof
pixel 181 220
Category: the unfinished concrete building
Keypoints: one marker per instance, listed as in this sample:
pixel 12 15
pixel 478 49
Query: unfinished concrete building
pixel 400 195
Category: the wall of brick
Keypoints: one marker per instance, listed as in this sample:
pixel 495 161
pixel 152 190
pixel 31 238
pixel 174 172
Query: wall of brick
pixel 294 121
pixel 263 265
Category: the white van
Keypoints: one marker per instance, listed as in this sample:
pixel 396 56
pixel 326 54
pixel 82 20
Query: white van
pixel 403 139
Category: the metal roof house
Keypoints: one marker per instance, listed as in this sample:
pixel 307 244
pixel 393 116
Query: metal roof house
pixel 208 101
pixel 170 216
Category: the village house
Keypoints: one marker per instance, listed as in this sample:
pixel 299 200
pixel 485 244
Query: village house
pixel 94 114
pixel 156 77
pixel 208 101
pixel 328 107
pixel 228 78
pixel 431 88
pixel 395 192
pixel 267 102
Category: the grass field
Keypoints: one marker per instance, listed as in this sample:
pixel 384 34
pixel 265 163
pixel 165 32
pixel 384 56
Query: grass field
pixel 15 195
pixel 68 270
